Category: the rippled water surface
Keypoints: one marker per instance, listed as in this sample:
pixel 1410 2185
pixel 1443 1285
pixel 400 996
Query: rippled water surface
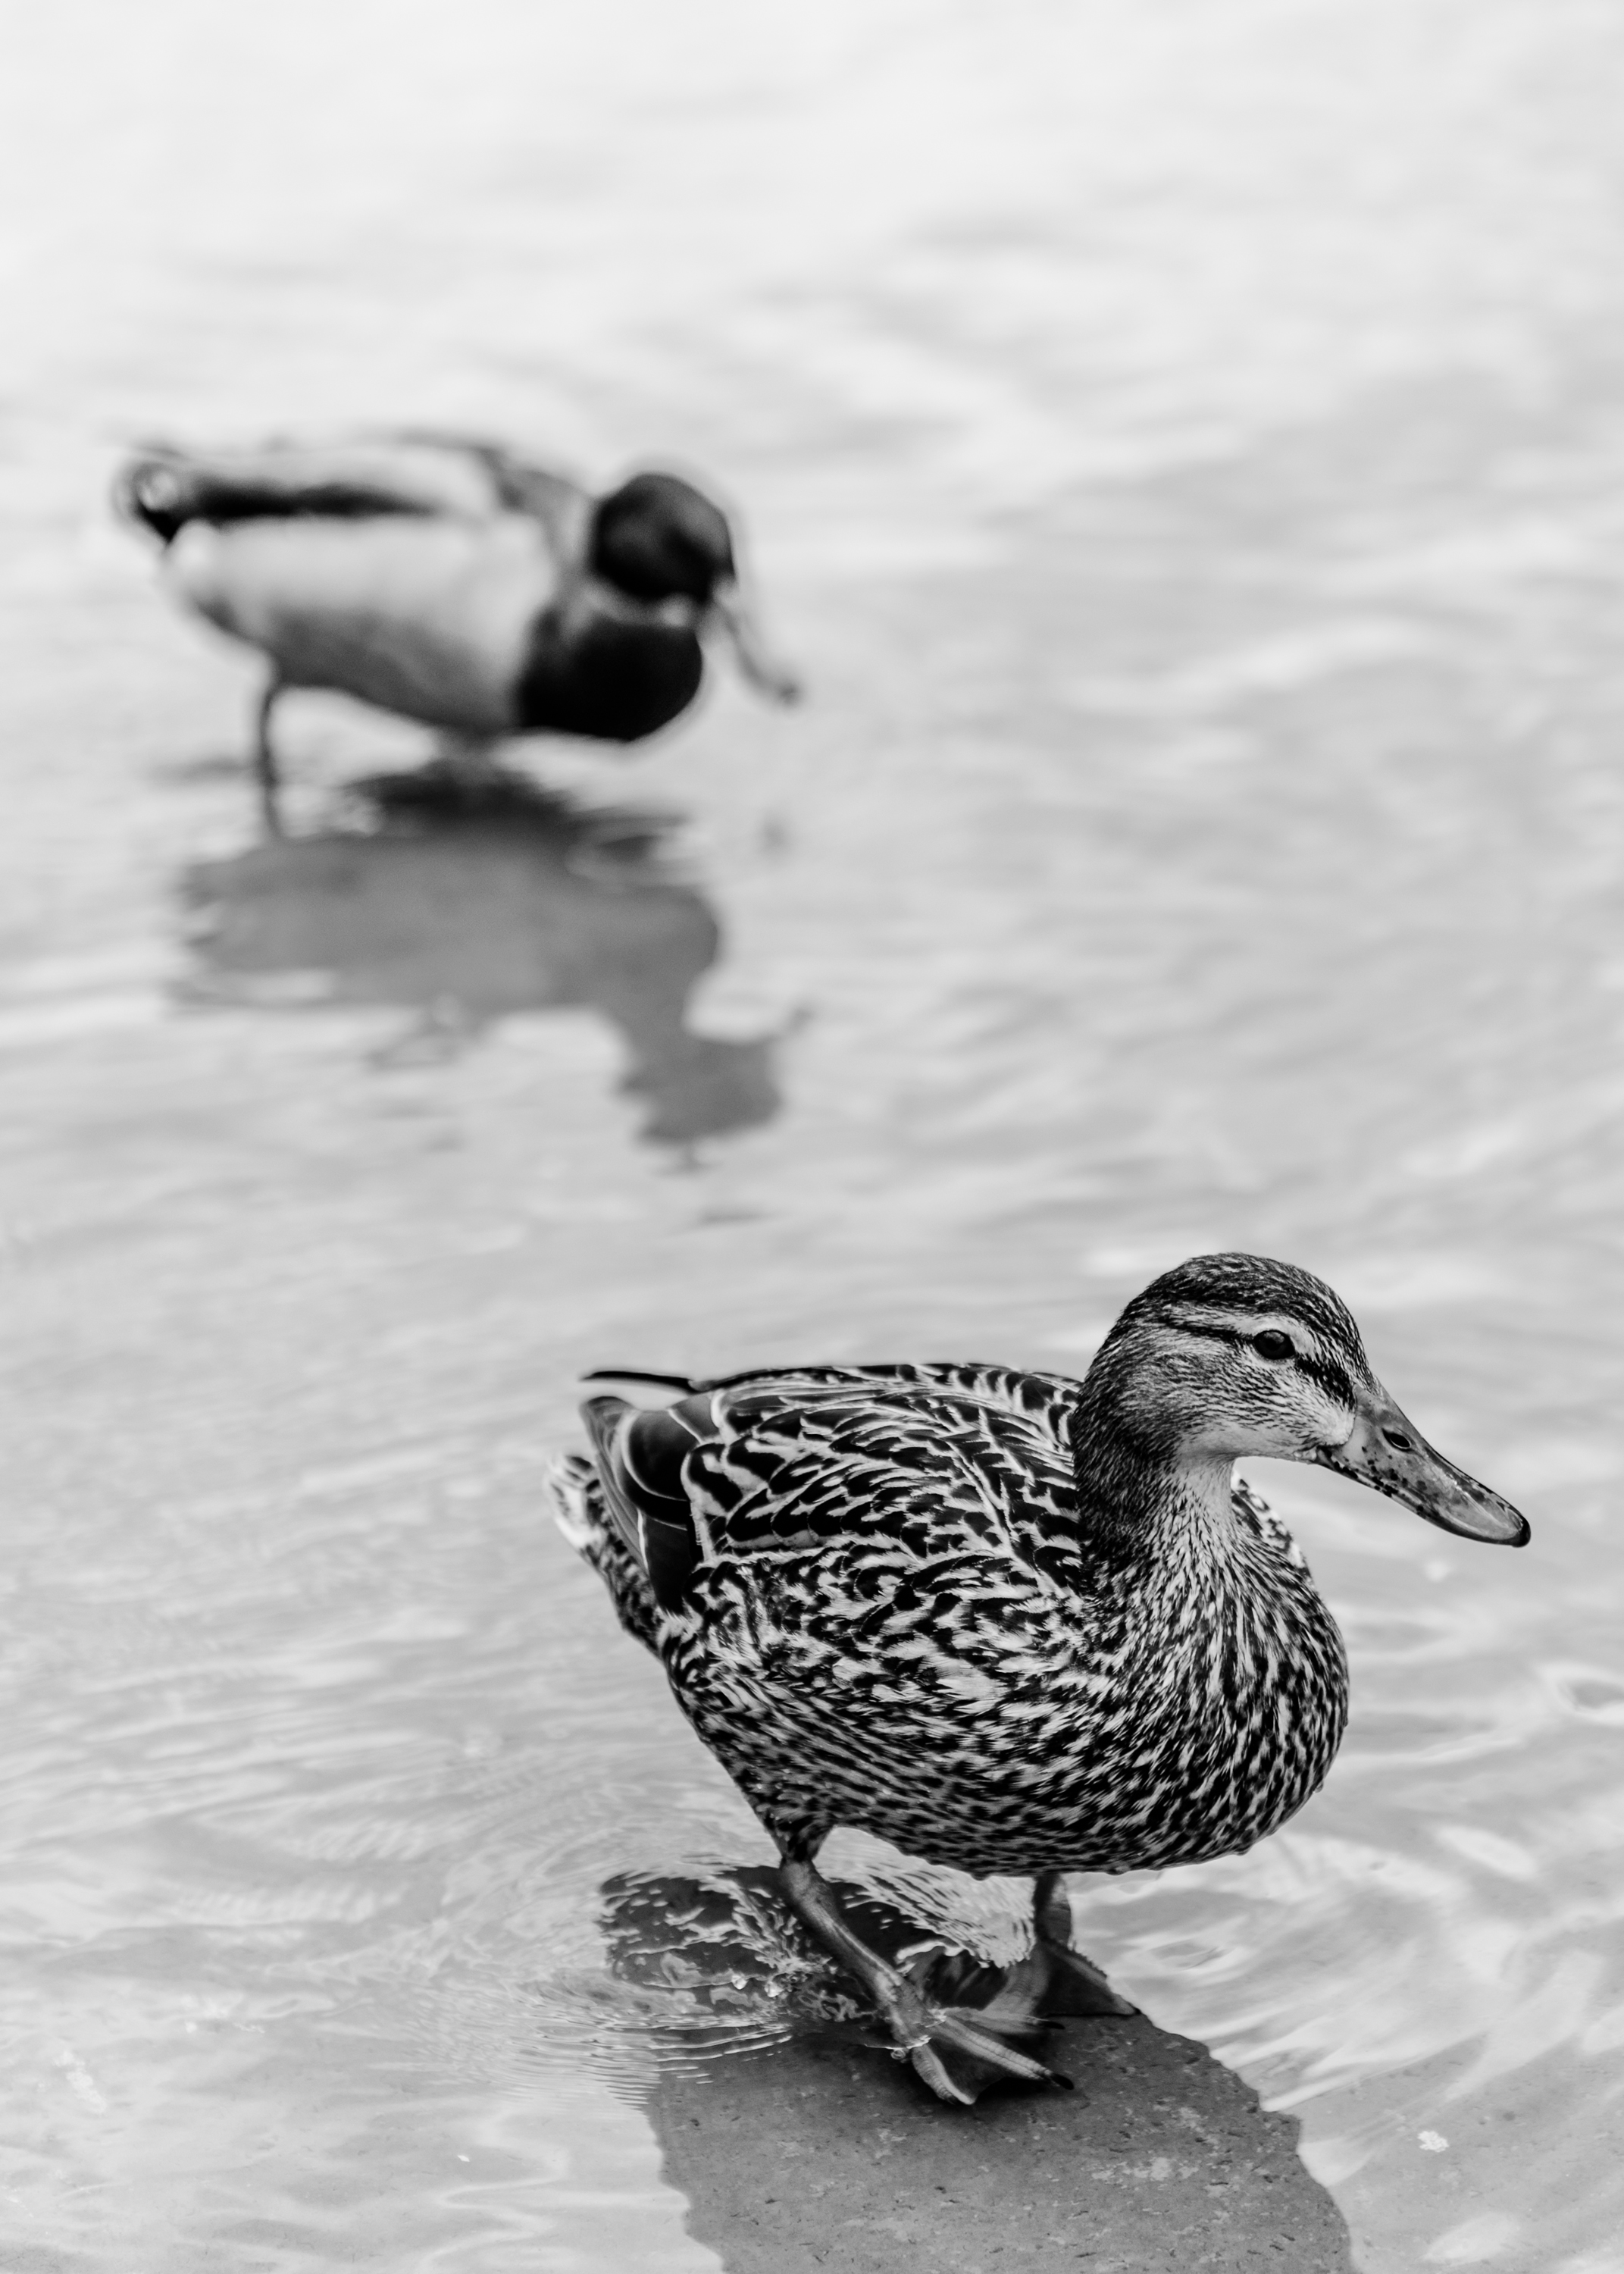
pixel 1181 445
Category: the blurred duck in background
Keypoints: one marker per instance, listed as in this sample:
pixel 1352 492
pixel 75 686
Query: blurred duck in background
pixel 445 580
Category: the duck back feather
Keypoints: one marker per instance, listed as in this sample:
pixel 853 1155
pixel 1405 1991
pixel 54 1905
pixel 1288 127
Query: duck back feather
pixel 880 1597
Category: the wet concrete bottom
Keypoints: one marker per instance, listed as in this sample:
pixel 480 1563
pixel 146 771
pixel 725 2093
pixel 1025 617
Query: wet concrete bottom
pixel 815 2154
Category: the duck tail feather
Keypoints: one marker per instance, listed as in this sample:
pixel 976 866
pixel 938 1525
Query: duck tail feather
pixel 684 1383
pixel 566 1489
pixel 585 1514
pixel 603 1417
pixel 149 491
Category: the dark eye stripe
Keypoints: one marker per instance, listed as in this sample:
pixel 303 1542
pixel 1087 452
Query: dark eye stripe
pixel 1206 1333
pixel 1209 1331
pixel 1328 1372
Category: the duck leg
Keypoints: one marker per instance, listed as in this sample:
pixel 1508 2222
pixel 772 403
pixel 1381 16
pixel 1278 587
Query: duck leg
pixel 267 775
pixel 956 2049
pixel 1071 1985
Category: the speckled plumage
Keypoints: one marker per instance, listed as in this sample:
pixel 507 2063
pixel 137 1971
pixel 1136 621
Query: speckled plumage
pixel 1010 1622
pixel 902 1619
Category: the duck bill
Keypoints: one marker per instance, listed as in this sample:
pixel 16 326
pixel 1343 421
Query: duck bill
pixel 1389 1453
pixel 760 666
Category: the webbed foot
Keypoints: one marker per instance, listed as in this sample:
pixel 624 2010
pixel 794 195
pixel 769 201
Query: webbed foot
pixel 991 2031
pixel 960 2025
pixel 1072 1985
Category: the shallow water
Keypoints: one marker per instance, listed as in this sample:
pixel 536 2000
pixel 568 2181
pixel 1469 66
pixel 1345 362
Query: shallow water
pixel 1180 446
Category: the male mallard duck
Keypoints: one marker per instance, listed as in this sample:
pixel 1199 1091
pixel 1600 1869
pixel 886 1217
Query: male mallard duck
pixel 1011 1622
pixel 448 582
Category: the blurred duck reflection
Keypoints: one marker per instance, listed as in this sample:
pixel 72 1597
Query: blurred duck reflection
pixel 472 903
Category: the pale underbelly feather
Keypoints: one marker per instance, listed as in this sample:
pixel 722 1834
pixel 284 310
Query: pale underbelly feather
pixel 427 618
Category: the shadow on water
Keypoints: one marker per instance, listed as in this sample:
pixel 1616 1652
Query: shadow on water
pixel 799 2146
pixel 472 903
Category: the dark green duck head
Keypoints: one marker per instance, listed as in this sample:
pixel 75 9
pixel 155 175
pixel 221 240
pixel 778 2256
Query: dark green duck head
pixel 1233 1355
pixel 658 539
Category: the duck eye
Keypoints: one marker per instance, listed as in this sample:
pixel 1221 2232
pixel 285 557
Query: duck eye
pixel 1272 1343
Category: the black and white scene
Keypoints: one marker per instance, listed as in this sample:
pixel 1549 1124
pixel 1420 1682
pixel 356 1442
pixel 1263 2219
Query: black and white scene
pixel 812 1198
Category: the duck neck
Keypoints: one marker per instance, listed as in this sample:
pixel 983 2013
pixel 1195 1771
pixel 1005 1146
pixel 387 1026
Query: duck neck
pixel 1146 1493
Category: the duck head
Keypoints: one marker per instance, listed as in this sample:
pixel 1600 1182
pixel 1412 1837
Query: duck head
pixel 658 539
pixel 1231 1355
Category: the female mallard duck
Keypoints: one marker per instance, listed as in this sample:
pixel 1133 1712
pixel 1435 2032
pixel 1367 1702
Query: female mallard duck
pixel 1011 1622
pixel 448 582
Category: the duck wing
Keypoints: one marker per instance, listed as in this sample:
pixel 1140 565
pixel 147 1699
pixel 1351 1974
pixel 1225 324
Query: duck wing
pixel 933 1465
pixel 423 615
pixel 460 477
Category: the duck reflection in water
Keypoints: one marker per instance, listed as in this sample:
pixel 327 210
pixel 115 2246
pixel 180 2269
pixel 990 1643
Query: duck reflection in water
pixel 446 580
pixel 795 2149
pixel 729 1963
pixel 470 903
